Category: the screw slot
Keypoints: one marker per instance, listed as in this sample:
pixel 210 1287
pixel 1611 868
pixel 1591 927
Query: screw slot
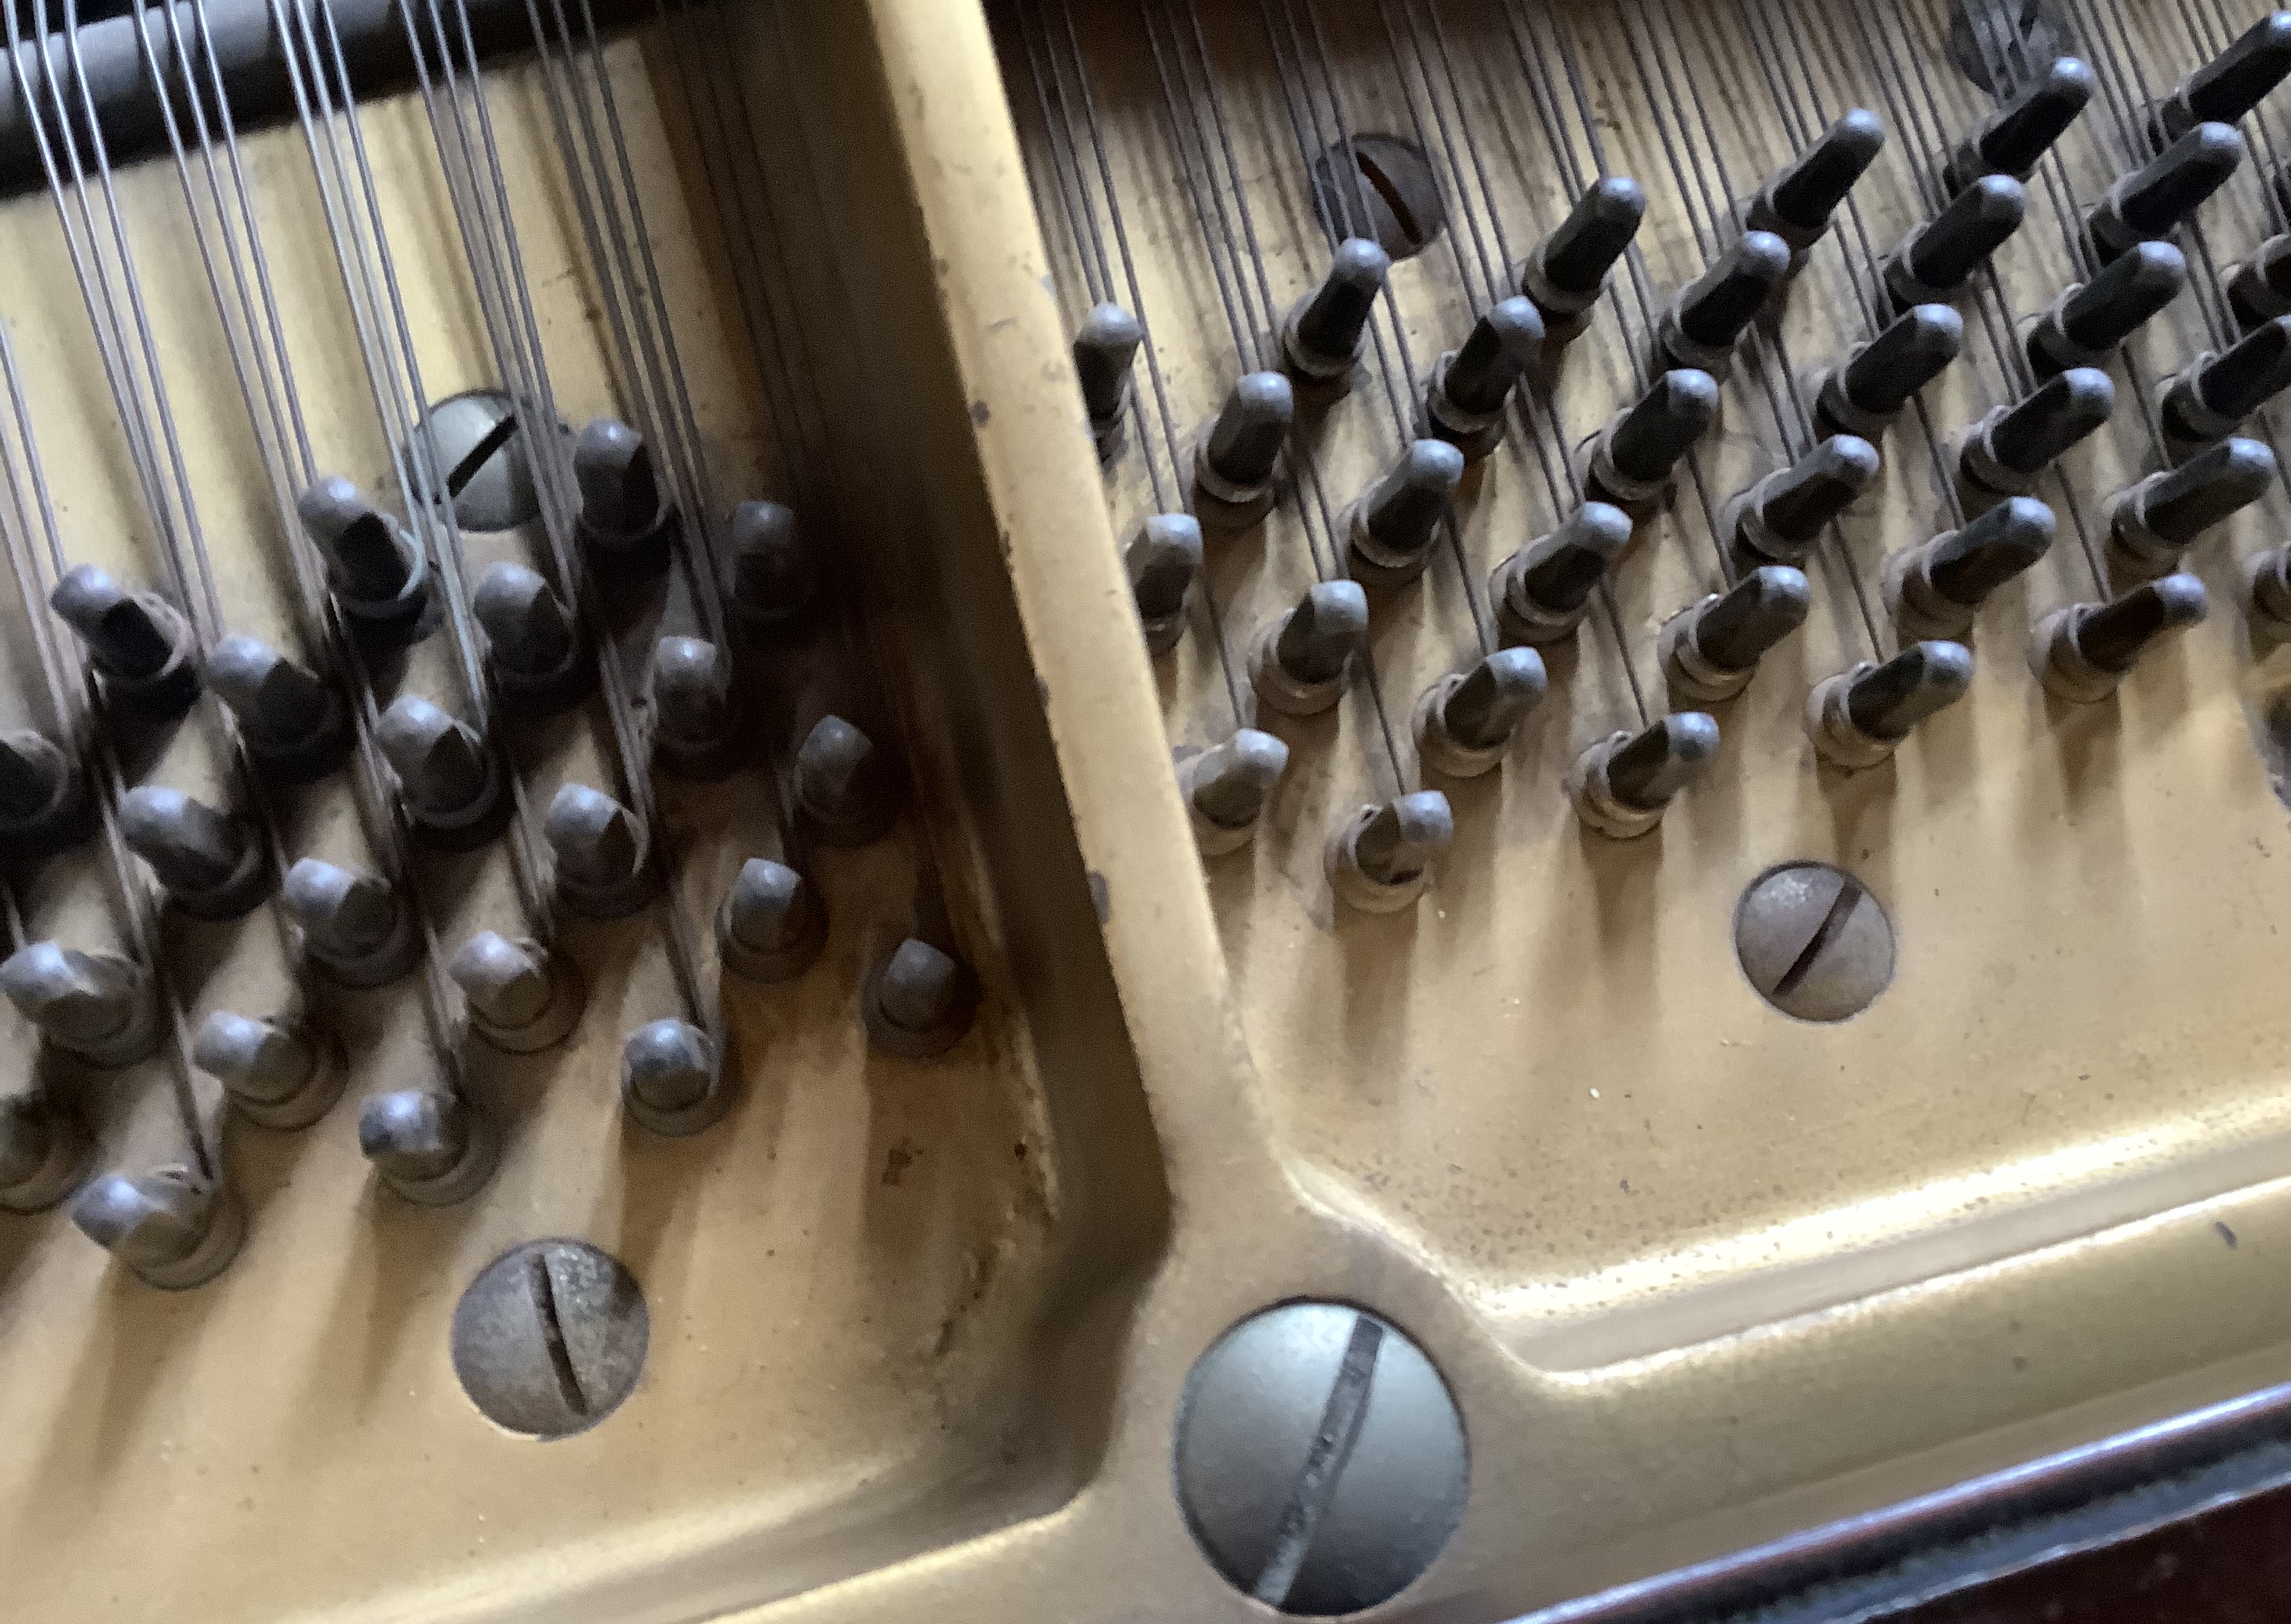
pixel 1813 941
pixel 549 1338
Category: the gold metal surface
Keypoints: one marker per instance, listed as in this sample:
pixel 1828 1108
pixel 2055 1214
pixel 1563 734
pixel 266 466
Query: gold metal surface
pixel 1698 1275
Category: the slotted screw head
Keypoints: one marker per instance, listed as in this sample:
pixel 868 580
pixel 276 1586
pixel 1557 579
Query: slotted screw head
pixel 550 1338
pixel 1813 942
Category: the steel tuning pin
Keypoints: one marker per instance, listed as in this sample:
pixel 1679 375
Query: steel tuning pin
pixel 694 721
pixel 278 1073
pixel 2013 139
pixel 1393 526
pixel 2087 320
pixel 1300 661
pixel 141 647
pixel 208 863
pixel 1464 721
pixel 1543 591
pixel 1322 336
pixel 624 520
pixel 2081 652
pixel 430 1146
pixel 2008 451
pixel 1710 313
pixel 1565 272
pixel 522 998
pixel 2231 84
pixel 602 866
pixel 355 927
pixel 1936 589
pixel 673 1079
pixel 2161 193
pixel 1380 859
pixel 770 578
pixel 380 574
pixel 1225 787
pixel 919 1001
pixel 1711 649
pixel 2259 289
pixel 2209 399
pixel 1464 402
pixel 1857 718
pixel 1796 203
pixel 772 924
pixel 2154 522
pixel 173 1227
pixel 1623 785
pixel 1103 351
pixel 99 1005
pixel 44 804
pixel 844 785
pixel 1777 520
pixel 1632 458
pixel 1864 393
pixel 45 1152
pixel 449 782
pixel 295 725
pixel 531 644
pixel 1163 559
pixel 1939 257
pixel 1240 453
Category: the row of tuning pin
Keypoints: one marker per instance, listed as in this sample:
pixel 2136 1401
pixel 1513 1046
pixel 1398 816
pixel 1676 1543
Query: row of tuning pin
pixel 1300 664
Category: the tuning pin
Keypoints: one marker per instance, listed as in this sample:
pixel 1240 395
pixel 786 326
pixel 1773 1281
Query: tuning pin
pixel 1464 402
pixel 44 1152
pixel 1564 273
pixel 1936 588
pixel 1632 460
pixel 99 1005
pixel 1709 313
pixel 530 640
pixel 354 926
pixel 2013 139
pixel 1711 650
pixel 2089 319
pixel 772 924
pixel 294 726
pixel 1300 662
pixel 1104 350
pixel 1465 719
pixel 2161 193
pixel 624 520
pixel 1795 203
pixel 43 805
pixel 448 782
pixel 1858 717
pixel 2156 520
pixel 2081 652
pixel 771 579
pixel 1238 455
pixel 1162 561
pixel 844 783
pixel 1380 859
pixel 2259 289
pixel 1622 786
pixel 1543 591
pixel 1939 257
pixel 2209 398
pixel 919 1002
pixel 1392 527
pixel 432 1148
pixel 142 648
pixel 1225 787
pixel 522 997
pixel 172 1228
pixel 275 1073
pixel 2008 451
pixel 673 1079
pixel 2232 82
pixel 207 862
pixel 694 731
pixel 381 576
pixel 602 867
pixel 1324 335
pixel 1866 392
pixel 1777 520
pixel 2267 577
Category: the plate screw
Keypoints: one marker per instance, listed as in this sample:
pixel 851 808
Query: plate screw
pixel 1320 1460
pixel 549 1339
pixel 1813 942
